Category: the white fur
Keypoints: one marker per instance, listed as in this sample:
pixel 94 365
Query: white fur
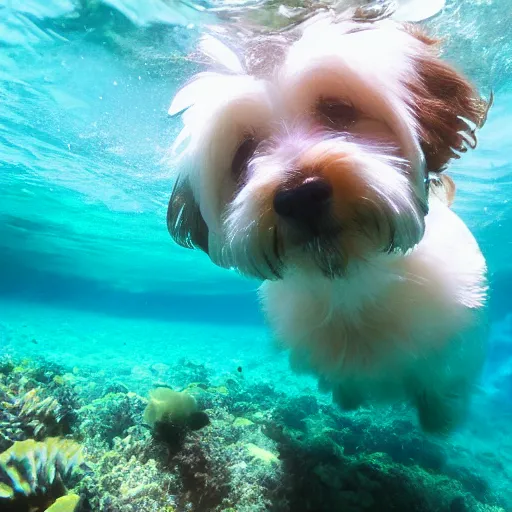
pixel 220 53
pixel 363 76
pixel 433 336
pixel 403 325
pixel 219 107
pixel 324 53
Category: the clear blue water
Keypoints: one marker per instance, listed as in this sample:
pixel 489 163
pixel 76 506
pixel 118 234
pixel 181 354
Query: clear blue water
pixel 88 273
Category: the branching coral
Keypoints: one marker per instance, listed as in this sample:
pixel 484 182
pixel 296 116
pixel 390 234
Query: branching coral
pixel 28 414
pixel 33 475
pixel 31 408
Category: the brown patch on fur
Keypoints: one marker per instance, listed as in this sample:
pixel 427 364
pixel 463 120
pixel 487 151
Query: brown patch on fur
pixel 440 96
pixel 348 190
pixel 337 168
pixel 420 34
pixel 444 188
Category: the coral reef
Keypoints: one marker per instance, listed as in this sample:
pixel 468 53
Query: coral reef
pixel 238 446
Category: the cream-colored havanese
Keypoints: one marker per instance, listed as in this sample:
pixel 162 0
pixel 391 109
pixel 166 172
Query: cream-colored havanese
pixel 312 159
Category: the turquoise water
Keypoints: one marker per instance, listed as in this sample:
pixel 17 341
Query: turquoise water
pixel 89 277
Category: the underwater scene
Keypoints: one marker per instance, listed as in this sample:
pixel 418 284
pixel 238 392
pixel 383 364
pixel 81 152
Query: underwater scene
pixel 138 376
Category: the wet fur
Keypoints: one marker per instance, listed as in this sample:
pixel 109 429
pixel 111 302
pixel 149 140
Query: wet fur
pixel 389 302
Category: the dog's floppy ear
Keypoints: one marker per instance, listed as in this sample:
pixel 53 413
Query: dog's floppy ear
pixel 184 220
pixel 447 107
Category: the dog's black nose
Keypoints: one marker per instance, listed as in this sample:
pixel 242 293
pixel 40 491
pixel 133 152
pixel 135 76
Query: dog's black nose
pixel 306 203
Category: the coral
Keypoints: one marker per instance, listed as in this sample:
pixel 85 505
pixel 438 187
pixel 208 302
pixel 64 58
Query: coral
pixel 169 405
pixel 294 411
pixel 172 415
pixel 37 412
pixel 334 462
pixel 204 476
pixel 33 475
pixel 234 444
pixel 185 371
pixel 130 478
pixel 6 364
pixel 227 466
pixel 206 397
pixel 242 422
pixel 69 503
pixel 110 416
pixel 31 409
pixel 263 455
pixel 44 371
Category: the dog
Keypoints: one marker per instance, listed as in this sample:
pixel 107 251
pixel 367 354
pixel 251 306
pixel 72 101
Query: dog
pixel 314 159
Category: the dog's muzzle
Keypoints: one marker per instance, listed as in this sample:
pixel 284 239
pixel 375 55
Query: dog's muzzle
pixel 306 206
pixel 307 223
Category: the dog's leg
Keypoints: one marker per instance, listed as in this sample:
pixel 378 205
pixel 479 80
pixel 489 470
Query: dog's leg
pixel 440 412
pixel 348 396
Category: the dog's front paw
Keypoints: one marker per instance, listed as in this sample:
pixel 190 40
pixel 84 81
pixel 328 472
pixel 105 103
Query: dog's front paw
pixel 441 413
pixel 349 398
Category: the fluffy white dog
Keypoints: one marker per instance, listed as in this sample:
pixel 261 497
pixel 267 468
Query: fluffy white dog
pixel 313 160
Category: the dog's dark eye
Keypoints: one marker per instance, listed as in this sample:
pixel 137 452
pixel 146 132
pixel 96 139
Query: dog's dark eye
pixel 336 114
pixel 242 156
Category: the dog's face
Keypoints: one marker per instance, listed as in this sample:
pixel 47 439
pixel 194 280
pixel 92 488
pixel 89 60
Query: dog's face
pixel 312 150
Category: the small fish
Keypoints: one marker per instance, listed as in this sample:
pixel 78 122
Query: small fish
pixel 239 369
